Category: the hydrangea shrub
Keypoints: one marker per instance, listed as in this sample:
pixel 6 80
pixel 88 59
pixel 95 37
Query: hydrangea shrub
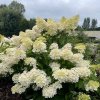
pixel 42 61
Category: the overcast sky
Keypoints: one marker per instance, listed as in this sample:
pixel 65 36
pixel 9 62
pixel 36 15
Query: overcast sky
pixel 57 8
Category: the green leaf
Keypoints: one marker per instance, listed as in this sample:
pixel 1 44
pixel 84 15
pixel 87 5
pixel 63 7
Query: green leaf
pixel 80 84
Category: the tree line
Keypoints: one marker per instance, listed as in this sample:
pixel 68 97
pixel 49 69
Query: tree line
pixel 90 24
pixel 12 20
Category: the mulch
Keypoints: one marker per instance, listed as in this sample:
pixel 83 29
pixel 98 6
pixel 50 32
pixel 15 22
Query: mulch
pixel 5 90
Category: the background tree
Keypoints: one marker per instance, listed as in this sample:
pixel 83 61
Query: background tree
pixel 9 21
pixel 86 23
pixel 24 24
pixel 32 22
pixel 2 6
pixel 94 23
pixel 18 7
pixel 10 18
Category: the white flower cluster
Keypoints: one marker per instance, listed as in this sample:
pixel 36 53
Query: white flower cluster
pixel 83 96
pixel 80 47
pixel 55 54
pixel 69 75
pixel 67 46
pixel 61 75
pixel 30 61
pixel 82 71
pixel 39 47
pixel 73 75
pixel 54 46
pixel 25 39
pixel 54 66
pixel 34 76
pixel 12 56
pixel 52 27
pixel 92 86
pixel 20 89
pixel 66 53
pixel 51 90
